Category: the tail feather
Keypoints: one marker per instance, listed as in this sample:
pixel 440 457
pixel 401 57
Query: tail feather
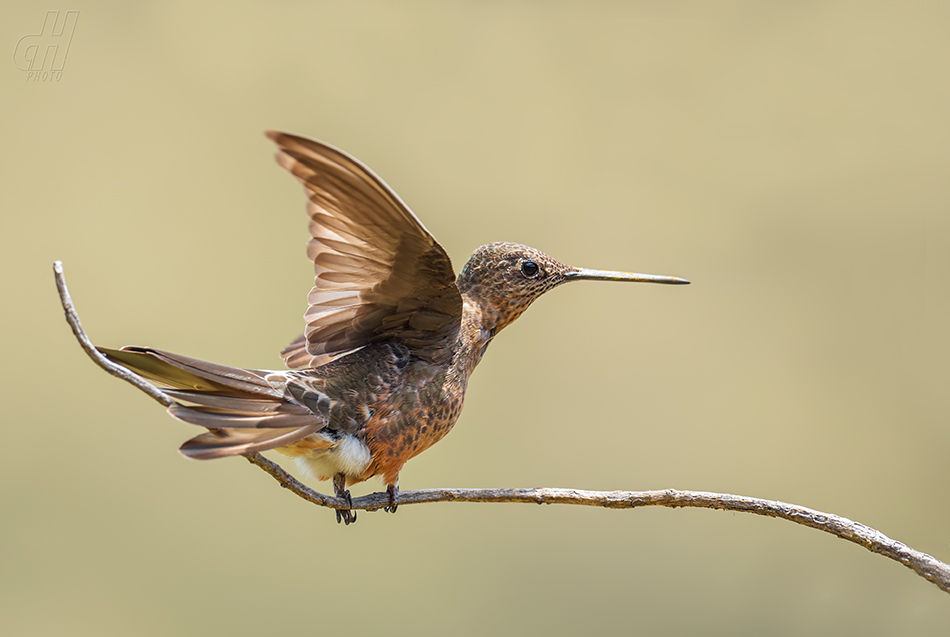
pixel 243 411
pixel 243 406
pixel 182 372
pixel 221 443
pixel 213 418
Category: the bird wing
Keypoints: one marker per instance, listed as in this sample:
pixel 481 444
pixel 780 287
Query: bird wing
pixel 378 272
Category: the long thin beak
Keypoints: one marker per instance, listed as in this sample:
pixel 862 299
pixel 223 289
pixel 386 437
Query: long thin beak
pixel 584 274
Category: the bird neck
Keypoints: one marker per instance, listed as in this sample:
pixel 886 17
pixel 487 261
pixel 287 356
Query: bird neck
pixel 479 326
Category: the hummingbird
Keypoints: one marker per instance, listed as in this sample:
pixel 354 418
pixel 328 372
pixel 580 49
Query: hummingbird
pixel 391 336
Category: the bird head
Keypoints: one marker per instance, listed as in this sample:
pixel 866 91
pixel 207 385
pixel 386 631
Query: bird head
pixel 503 279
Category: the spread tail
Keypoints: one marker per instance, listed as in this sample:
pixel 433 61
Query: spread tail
pixel 243 411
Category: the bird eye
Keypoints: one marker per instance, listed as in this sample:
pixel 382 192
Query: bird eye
pixel 529 268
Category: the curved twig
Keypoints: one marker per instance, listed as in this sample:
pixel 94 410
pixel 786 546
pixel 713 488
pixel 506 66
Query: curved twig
pixel 116 370
pixel 921 563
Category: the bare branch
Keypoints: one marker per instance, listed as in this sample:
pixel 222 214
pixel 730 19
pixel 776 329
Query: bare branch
pixel 923 564
pixel 116 370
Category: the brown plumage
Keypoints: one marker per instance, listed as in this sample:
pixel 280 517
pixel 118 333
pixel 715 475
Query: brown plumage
pixel 391 335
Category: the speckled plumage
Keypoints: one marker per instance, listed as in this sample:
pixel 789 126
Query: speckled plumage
pixel 391 336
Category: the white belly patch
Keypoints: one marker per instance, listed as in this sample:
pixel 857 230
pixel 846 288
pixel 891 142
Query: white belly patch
pixel 350 457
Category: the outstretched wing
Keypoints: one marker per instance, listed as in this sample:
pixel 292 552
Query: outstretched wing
pixel 378 272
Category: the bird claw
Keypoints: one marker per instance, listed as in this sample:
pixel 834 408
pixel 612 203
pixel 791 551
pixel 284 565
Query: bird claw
pixel 347 516
pixel 393 491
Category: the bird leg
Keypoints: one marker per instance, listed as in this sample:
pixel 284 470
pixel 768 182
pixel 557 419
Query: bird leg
pixel 393 491
pixel 339 487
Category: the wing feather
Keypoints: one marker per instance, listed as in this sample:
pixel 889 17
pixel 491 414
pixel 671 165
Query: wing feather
pixel 378 273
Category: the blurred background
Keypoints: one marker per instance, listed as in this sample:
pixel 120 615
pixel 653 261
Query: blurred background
pixel 791 159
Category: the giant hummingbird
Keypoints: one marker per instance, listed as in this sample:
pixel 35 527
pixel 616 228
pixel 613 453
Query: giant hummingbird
pixel 391 336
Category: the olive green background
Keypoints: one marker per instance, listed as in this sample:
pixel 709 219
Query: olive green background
pixel 790 158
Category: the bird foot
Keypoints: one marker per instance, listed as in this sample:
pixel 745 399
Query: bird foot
pixel 393 491
pixel 339 487
pixel 345 515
